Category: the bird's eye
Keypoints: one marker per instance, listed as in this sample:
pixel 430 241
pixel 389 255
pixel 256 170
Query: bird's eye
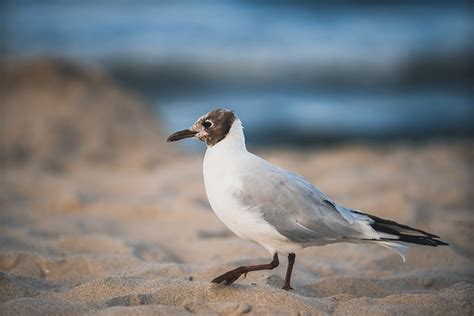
pixel 207 124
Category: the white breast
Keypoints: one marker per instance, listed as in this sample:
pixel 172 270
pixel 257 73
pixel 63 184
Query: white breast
pixel 224 163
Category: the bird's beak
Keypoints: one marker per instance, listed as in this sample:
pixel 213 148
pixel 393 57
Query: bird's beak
pixel 181 135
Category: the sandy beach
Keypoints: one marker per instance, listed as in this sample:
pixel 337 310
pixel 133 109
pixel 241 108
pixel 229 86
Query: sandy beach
pixel 98 215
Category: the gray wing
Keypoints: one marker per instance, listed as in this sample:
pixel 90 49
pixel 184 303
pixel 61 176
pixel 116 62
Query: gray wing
pixel 297 209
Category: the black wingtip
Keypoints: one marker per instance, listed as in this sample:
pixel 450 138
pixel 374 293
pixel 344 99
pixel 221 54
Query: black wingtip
pixel 441 243
pixel 405 233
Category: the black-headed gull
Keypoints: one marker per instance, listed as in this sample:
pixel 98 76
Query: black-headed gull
pixel 278 209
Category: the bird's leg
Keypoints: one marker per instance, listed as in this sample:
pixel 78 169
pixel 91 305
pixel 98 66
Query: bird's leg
pixel 289 269
pixel 231 276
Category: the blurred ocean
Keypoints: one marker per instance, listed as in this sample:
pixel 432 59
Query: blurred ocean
pixel 295 72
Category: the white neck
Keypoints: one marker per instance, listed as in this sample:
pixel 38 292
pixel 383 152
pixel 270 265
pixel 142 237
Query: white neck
pixel 233 142
pixel 222 159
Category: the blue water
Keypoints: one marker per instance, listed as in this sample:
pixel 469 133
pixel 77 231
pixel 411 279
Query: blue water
pixel 232 30
pixel 289 118
pixel 293 72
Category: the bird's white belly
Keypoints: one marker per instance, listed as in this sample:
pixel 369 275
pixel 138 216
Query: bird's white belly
pixel 247 224
pixel 239 220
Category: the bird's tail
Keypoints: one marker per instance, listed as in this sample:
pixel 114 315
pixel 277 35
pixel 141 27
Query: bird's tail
pixel 401 234
pixel 396 247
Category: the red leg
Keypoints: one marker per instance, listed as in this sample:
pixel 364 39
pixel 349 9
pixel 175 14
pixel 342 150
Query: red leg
pixel 231 276
pixel 289 270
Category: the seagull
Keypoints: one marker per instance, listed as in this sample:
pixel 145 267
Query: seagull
pixel 278 209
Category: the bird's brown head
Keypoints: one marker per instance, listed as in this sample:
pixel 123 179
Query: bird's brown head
pixel 210 128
